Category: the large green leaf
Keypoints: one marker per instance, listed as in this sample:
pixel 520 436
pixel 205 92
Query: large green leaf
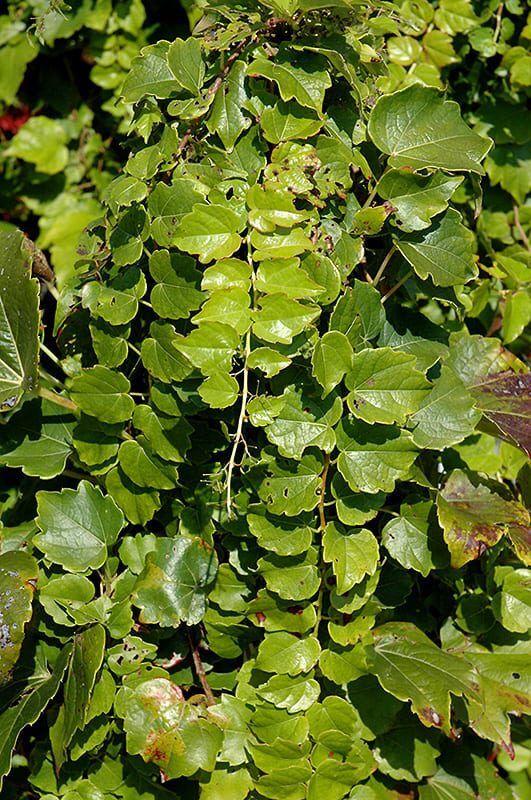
pixel 18 579
pixel 411 667
pixel 417 198
pixel 209 231
pixel 418 129
pixel 353 554
pixel 19 321
pixel 173 586
pixel 77 526
pixel 385 386
pixel 373 457
pixel 29 709
pixel 445 251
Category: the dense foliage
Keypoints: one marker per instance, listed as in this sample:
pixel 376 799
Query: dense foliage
pixel 266 423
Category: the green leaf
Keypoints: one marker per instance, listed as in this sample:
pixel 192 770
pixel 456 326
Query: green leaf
pixel 474 518
pixel 144 467
pixel 150 74
pixel 286 121
pixel 41 141
pixel 19 321
pixel 418 129
pixel 139 505
pixel 77 526
pixel 411 667
pixel 38 439
pixel 160 355
pixel 230 305
pixel 295 578
pixel 295 694
pixel 167 205
pixel 226 117
pixel 117 302
pixel 446 416
pixel 291 488
pixel 18 577
pixel 209 231
pixel 29 709
pixel 87 657
pixel 176 292
pixel 186 63
pixel 284 654
pixel 280 535
pixel 413 539
pixel 219 390
pixel 417 198
pixel 353 554
pixel 445 251
pixel 373 457
pixel 168 437
pixel 128 236
pixel 303 78
pixel 331 360
pixel 301 422
pixel 272 207
pixel 359 314
pixel 512 605
pixel 280 318
pixel 103 393
pixel 210 347
pixel 173 586
pixel 384 386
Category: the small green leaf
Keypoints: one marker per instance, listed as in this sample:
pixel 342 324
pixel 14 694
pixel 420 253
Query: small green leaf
pixel 144 467
pixel 150 74
pixel 226 117
pixel 413 539
pixel 331 360
pixel 103 393
pixel 41 141
pixel 353 554
pixel 280 318
pixel 417 198
pixel 447 414
pixel 303 78
pixel 286 121
pixel 210 347
pixel 284 654
pixel 176 292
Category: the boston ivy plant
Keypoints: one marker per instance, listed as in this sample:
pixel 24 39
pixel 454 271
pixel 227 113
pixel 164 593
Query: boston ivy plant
pixel 264 524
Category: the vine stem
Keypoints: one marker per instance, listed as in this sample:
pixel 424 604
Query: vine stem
pixel 519 228
pixel 51 355
pixel 200 671
pixel 239 428
pixel 238 436
pixel 322 527
pixel 58 399
pixel 383 265
pixel 397 286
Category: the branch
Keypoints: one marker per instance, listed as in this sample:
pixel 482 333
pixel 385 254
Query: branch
pixel 239 428
pixel 200 672
pixel 322 528
pixel 383 265
pixel 519 228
